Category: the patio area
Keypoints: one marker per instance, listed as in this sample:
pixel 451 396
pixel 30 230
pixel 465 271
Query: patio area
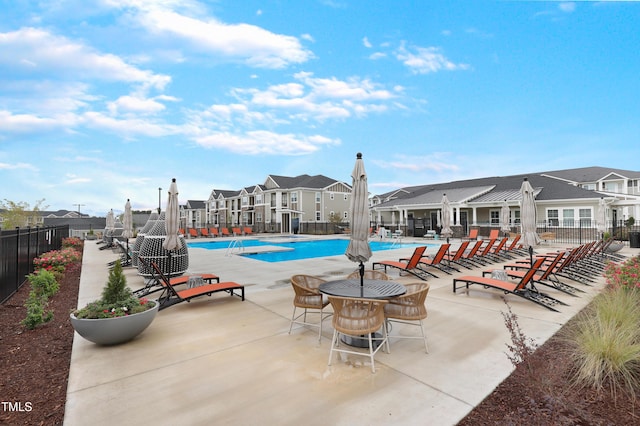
pixel 224 361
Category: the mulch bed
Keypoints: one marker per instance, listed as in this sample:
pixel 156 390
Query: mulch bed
pixel 34 365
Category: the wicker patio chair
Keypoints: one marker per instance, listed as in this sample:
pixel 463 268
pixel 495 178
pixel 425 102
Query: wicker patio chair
pixel 308 297
pixel 408 309
pixel 359 318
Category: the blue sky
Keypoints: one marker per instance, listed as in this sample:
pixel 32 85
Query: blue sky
pixel 101 101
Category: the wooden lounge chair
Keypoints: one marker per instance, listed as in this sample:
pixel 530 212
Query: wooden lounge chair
pixel 410 266
pixel 516 288
pixel 170 296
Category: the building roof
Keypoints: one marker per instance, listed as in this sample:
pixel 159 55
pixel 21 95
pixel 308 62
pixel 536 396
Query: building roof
pixel 302 181
pixel 489 190
pixel 590 174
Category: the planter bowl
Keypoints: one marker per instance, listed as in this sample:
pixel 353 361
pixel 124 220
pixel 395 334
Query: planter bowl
pixel 113 331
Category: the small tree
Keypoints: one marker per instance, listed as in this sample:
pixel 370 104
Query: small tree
pixel 116 289
pixel 20 214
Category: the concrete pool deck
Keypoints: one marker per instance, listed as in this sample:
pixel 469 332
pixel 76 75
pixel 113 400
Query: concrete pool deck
pixel 219 360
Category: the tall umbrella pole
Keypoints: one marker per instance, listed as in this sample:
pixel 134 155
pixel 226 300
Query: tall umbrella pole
pixel 358 249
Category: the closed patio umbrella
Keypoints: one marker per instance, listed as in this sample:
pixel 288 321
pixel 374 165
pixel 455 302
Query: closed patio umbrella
pixel 171 224
pixel 601 223
pixel 127 221
pixel 446 217
pixel 528 217
pixel 504 218
pixel 358 249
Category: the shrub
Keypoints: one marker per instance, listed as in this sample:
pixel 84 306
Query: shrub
pixel 625 275
pixel 605 342
pixel 117 299
pixel 72 242
pixel 44 283
pixel 43 286
pixel 522 347
pixel 57 260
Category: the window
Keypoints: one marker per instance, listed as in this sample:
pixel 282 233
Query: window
pixel 259 199
pixel 585 217
pixel 552 217
pixel 317 216
pixel 494 217
pixel 568 217
pixel 516 216
pixel 317 197
pixel 245 200
pixel 294 197
pixel 258 217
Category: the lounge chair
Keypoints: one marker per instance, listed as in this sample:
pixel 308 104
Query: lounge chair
pixel 473 235
pixel 518 289
pixel 236 231
pixel 410 266
pixel 193 232
pixel 545 276
pixel 469 257
pixel 494 234
pixel 225 232
pixel 155 284
pixel 170 296
pixel 214 232
pixel 204 232
pixel 456 256
pixel 247 230
pixel 437 260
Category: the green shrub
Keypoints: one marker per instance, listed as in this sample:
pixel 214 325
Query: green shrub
pixel 605 342
pixel 43 286
pixel 44 283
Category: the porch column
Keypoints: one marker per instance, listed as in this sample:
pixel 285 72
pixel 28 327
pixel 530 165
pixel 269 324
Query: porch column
pixel 475 216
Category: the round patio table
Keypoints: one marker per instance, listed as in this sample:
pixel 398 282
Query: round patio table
pixel 371 289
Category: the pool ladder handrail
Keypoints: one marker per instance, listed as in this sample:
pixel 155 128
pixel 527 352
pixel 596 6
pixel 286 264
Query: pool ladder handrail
pixel 234 244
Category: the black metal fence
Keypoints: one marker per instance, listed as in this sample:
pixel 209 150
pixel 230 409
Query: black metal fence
pixel 18 248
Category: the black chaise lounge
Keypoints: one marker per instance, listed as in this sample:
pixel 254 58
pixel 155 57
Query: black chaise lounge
pixel 170 296
pixel 516 288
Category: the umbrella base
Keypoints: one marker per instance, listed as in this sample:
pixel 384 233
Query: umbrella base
pixel 362 341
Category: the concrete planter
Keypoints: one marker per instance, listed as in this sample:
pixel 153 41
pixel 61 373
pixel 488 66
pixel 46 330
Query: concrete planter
pixel 113 331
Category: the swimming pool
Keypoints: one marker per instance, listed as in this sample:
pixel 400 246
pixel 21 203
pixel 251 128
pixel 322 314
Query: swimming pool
pixel 297 250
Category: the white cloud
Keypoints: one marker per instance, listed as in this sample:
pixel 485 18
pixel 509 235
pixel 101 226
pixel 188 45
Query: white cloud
pixel 251 44
pixel 424 60
pixel 17 166
pixel 366 43
pixel 265 142
pixel 34 51
pixel 567 7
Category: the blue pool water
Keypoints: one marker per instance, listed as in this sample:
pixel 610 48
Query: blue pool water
pixel 305 249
